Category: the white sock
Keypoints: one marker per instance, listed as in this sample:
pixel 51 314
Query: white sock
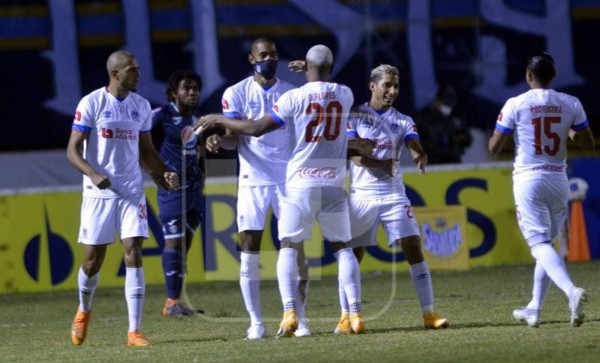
pixel 250 285
pixel 349 278
pixel 421 279
pixel 302 294
pixel 541 282
pixel 546 256
pixel 135 288
pixel 287 277
pixel 343 300
pixel 87 286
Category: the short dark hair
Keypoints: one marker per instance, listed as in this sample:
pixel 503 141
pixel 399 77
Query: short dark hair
pixel 542 67
pixel 176 77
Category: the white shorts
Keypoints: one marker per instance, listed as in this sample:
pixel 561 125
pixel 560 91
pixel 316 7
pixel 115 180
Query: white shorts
pixel 253 205
pixel 541 202
pixel 301 207
pixel 397 218
pixel 101 218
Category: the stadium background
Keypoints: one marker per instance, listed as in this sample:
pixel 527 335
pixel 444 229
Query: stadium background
pixel 54 52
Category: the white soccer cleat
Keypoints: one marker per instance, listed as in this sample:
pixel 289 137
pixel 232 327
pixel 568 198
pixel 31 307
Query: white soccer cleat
pixel 577 297
pixel 529 316
pixel 256 331
pixel 303 329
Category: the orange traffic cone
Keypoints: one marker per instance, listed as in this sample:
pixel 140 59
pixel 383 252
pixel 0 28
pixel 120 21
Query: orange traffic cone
pixel 579 247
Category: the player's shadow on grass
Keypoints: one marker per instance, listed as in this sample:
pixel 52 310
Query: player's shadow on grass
pixel 188 340
pixel 468 325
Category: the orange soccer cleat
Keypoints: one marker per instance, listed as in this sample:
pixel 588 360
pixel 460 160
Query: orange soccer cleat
pixel 79 326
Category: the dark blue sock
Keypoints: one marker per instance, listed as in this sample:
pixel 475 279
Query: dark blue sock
pixel 172 265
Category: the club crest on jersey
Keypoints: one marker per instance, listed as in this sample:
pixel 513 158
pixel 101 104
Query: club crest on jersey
pixel 107 114
pixel 188 137
pixel 135 115
pixel 394 127
pixel 253 104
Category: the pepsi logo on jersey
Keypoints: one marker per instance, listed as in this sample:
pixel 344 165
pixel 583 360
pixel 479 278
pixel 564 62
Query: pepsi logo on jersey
pixel 188 137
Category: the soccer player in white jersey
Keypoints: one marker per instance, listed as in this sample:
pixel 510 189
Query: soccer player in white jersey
pixel 261 184
pixel 317 113
pixel 541 120
pixel 377 192
pixel 110 139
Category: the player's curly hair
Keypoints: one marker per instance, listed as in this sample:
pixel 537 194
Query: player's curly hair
pixel 176 77
pixel 542 67
pixel 378 72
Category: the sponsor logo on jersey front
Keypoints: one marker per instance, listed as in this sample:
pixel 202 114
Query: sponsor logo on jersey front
pixel 107 114
pixel 118 133
pixel 385 144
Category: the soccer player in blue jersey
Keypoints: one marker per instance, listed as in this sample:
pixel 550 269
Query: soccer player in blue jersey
pixel 181 210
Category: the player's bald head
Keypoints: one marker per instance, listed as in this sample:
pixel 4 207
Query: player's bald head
pixel 118 60
pixel 319 56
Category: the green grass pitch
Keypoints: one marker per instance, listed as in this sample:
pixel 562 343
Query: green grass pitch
pixel 478 303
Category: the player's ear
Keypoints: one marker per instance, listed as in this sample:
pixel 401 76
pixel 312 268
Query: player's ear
pixel 251 59
pixel 372 86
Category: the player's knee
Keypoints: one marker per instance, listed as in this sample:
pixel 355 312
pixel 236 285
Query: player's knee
pixel 251 241
pixel 411 246
pixel 359 252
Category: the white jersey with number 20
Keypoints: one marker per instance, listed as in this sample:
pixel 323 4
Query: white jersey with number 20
pixel 318 115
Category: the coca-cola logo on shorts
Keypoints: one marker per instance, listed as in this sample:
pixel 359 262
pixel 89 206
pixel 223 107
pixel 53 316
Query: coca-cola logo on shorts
pixel 323 173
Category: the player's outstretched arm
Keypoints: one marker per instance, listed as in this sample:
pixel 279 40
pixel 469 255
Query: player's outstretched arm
pixel 363 147
pixel 245 127
pixel 153 164
pixel 297 66
pixel 389 166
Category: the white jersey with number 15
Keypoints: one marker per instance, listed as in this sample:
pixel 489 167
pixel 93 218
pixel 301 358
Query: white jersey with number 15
pixel 318 115
pixel 540 120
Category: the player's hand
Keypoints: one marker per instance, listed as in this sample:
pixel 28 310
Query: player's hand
pixel 297 66
pixel 421 161
pixel 213 143
pixel 365 147
pixel 100 180
pixel 206 122
pixel 171 179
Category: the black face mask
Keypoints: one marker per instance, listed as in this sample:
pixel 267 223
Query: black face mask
pixel 266 68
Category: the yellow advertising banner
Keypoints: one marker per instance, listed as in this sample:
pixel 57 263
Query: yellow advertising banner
pixel 39 250
pixel 444 236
